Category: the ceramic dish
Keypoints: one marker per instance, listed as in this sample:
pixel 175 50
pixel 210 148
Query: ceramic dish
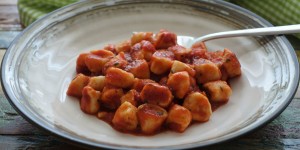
pixel 40 63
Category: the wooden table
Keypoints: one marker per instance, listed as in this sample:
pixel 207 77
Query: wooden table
pixel 17 133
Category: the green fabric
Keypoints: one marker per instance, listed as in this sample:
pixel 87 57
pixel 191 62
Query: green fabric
pixel 31 10
pixel 278 12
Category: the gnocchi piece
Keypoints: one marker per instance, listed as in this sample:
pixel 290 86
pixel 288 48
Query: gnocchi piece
pixel 97 82
pixel 194 86
pixel 128 58
pixel 111 97
pixel 179 118
pixel 218 91
pixel 95 63
pixel 124 46
pixel 140 36
pixel 161 62
pixel 118 61
pixel 180 52
pixel 163 81
pixel 139 84
pixel 97 59
pixel 89 101
pixel 151 117
pixel 125 118
pixel 119 78
pixel 206 71
pixel 77 84
pixel 81 67
pixel 165 39
pixel 199 106
pixel 132 97
pixel 157 94
pixel 102 114
pixel 136 52
pixel 106 116
pixel 142 50
pixel 103 53
pixel 198 53
pixel 216 57
pixel 178 66
pixel 139 68
pixel 224 73
pixel 148 49
pixel 110 47
pixel 231 64
pixel 199 45
pixel 179 83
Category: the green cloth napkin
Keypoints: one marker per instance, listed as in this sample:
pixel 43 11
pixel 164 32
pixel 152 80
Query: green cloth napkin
pixel 278 12
pixel 31 10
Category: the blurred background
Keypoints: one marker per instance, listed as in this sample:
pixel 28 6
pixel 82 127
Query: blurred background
pixel 15 15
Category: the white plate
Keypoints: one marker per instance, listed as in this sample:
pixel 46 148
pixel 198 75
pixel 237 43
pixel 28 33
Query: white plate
pixel 40 64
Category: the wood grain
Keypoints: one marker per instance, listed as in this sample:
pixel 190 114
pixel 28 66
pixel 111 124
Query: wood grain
pixel 8 2
pixel 37 142
pixel 9 18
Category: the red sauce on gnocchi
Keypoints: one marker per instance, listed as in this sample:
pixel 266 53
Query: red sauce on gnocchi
pixel 150 83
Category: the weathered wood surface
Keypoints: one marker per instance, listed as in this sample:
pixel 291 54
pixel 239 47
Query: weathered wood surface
pixel 9 18
pixel 8 2
pixel 17 133
pixel 9 22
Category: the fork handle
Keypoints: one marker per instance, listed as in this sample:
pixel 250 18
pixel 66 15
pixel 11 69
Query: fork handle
pixel 288 29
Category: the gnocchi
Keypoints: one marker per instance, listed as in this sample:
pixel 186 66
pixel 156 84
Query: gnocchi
pixel 157 94
pixel 125 117
pixel 179 83
pixel 151 117
pixel 150 83
pixel 89 102
pixel 179 118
